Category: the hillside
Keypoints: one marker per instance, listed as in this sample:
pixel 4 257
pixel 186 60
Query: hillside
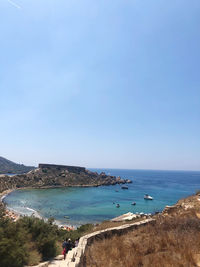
pixel 7 166
pixel 49 175
pixel 173 240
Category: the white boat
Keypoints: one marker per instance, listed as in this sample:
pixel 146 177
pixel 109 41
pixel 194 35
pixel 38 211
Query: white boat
pixel 148 197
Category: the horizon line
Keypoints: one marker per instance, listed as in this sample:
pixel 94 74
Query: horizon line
pixel 144 169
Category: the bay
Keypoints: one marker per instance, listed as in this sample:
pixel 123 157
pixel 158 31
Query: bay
pixel 77 206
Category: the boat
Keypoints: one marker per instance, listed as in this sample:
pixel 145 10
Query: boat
pixel 116 190
pixel 124 187
pixel 133 203
pixel 117 205
pixel 148 197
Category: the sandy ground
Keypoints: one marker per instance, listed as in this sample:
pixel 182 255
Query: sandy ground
pixel 10 214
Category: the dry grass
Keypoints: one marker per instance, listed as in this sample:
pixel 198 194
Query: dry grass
pixel 170 242
pixel 108 224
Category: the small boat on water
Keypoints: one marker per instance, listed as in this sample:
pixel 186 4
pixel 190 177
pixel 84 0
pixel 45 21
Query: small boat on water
pixel 117 205
pixel 148 197
pixel 133 203
pixel 124 187
pixel 116 190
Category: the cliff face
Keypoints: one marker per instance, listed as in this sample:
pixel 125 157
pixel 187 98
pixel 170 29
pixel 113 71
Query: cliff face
pixel 7 166
pixel 58 176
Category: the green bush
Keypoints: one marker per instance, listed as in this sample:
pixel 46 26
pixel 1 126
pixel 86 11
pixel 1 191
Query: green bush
pixel 12 253
pixel 29 236
pixel 47 246
pixel 43 234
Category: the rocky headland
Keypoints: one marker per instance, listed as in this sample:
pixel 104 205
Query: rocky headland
pixel 50 175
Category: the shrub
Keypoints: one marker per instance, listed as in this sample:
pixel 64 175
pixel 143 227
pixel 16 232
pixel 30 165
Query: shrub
pixel 31 237
pixel 47 246
pixel 12 253
pixel 43 234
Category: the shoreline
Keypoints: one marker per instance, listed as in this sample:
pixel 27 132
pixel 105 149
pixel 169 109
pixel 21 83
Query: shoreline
pixel 14 216
pixel 4 194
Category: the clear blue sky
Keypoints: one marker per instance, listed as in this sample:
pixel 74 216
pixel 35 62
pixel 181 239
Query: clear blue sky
pixel 101 83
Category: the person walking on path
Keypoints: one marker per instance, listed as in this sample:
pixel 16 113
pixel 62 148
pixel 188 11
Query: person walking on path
pixel 67 245
pixel 64 246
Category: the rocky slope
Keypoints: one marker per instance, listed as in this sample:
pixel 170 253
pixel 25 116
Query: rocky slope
pixel 184 207
pixel 172 239
pixel 58 176
pixel 7 166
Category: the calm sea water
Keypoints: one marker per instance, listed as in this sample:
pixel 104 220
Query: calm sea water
pixel 78 206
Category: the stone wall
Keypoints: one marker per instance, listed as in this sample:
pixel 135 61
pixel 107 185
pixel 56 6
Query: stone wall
pixel 76 257
pixel 75 169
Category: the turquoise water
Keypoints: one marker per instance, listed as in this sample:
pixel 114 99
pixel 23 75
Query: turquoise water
pixel 92 205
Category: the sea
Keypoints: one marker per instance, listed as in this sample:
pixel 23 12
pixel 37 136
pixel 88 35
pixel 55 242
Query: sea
pixel 78 205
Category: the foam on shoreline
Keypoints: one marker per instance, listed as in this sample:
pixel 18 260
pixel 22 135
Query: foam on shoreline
pixel 5 194
pixel 14 214
pixel 8 213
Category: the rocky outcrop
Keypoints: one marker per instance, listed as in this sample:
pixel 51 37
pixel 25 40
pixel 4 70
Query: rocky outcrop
pixel 74 169
pixel 126 217
pixel 58 176
pixel 183 207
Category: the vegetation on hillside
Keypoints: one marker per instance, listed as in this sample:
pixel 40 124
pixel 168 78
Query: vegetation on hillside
pixel 173 240
pixel 57 177
pixel 7 166
pixel 31 240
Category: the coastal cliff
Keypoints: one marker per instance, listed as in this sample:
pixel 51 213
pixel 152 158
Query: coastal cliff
pixel 50 175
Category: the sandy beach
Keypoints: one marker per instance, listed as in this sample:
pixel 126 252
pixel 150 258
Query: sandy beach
pixel 8 213
pixel 14 216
